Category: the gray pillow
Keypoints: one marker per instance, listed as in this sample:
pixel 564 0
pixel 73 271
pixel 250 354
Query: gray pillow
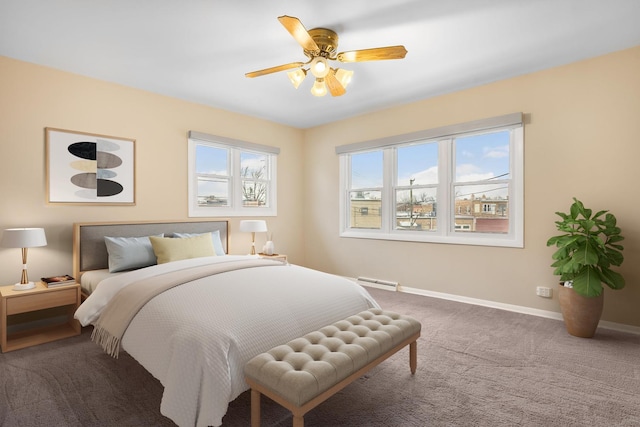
pixel 128 253
pixel 215 236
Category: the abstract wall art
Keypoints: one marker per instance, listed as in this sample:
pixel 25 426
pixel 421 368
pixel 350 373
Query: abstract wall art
pixel 87 168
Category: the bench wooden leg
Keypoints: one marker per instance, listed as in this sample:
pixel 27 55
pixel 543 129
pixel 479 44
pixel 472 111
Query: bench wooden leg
pixel 413 356
pixel 298 421
pixel 255 408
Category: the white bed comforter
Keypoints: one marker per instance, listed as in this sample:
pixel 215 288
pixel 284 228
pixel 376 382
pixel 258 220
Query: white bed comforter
pixel 197 337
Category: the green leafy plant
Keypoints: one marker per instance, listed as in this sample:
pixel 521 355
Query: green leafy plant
pixel 587 249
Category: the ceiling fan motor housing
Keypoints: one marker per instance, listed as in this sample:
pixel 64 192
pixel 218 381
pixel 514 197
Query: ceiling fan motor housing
pixel 327 41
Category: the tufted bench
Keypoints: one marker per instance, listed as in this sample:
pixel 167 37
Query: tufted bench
pixel 307 371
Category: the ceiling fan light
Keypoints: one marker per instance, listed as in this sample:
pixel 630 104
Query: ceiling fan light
pixel 319 67
pixel 296 77
pixel 344 76
pixel 319 88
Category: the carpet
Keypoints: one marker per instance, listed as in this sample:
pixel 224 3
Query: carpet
pixel 477 366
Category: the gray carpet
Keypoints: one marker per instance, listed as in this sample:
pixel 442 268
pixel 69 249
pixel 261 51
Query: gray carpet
pixel 476 367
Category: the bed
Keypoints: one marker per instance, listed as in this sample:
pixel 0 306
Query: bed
pixel 195 337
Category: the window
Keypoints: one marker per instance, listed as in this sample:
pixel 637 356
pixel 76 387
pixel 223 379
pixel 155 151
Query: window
pixel 458 184
pixel 230 178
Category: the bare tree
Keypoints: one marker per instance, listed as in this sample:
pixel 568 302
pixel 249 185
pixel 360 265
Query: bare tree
pixel 253 190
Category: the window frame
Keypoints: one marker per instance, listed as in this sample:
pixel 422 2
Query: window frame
pixel 235 206
pixel 446 231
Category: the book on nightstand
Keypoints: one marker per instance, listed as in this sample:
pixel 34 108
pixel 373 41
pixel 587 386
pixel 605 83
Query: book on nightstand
pixel 52 282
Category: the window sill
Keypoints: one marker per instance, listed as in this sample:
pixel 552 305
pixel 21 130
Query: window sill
pixel 429 237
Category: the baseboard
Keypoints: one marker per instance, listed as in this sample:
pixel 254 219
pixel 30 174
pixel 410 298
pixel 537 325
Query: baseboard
pixel 508 307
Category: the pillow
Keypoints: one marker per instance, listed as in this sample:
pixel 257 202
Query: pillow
pixel 215 236
pixel 168 249
pixel 128 253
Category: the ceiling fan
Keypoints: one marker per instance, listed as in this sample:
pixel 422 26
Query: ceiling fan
pixel 320 46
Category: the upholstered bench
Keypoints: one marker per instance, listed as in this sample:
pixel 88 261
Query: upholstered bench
pixel 307 371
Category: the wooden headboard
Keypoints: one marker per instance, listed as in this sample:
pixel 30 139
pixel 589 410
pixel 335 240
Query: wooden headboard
pixel 90 251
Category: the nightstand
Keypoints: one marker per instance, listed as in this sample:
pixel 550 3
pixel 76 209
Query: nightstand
pixel 279 257
pixel 37 315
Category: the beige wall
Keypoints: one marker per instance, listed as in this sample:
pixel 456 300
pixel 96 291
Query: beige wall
pixel 34 97
pixel 582 139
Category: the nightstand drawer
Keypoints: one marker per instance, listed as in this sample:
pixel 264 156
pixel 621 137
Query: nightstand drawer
pixel 40 301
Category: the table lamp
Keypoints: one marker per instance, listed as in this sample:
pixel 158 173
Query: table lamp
pixel 23 238
pixel 254 226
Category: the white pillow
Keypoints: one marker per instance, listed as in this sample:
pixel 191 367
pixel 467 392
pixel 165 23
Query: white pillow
pixel 215 236
pixel 129 253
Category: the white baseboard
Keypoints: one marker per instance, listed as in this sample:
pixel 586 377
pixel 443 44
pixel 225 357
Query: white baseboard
pixel 508 307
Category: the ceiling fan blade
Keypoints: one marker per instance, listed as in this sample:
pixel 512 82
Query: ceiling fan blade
pixel 334 85
pixel 375 54
pixel 297 30
pixel 274 69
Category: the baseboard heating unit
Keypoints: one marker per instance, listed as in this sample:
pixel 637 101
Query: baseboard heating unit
pixel 379 283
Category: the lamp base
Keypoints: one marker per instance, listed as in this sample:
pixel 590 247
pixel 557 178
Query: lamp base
pixel 23 286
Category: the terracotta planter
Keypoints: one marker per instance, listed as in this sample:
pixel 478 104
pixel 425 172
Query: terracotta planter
pixel 581 314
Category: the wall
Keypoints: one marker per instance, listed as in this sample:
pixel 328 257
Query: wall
pixel 34 97
pixel 581 139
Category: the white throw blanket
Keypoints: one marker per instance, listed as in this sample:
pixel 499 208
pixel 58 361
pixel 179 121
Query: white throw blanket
pixel 197 337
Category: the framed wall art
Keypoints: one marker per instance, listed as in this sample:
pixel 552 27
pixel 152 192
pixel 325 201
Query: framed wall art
pixel 86 168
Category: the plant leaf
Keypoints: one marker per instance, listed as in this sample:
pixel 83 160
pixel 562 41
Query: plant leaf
pixel 588 282
pixel 586 254
pixel 599 214
pixel 613 279
pixel 575 209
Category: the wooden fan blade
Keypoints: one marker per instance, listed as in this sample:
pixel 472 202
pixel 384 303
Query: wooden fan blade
pixel 375 54
pixel 334 85
pixel 274 69
pixel 297 30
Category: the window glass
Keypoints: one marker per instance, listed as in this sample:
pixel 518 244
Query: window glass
pixel 482 157
pixel 483 160
pixel 212 160
pixel 254 165
pixel 483 208
pixel 213 192
pixel 366 170
pixel 419 163
pixel 255 176
pixel 364 209
pixel 416 209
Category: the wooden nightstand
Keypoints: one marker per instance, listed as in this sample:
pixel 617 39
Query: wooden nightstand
pixel 41 302
pixel 280 257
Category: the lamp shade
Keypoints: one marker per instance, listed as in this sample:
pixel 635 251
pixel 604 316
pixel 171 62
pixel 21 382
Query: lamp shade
pixel 319 67
pixel 253 225
pixel 296 77
pixel 319 88
pixel 23 238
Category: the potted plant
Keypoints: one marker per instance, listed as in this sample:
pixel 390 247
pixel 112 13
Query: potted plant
pixel 587 249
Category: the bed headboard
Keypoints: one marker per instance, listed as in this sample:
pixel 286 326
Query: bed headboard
pixel 90 251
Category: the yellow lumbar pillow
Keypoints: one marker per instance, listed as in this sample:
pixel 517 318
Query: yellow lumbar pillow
pixel 171 249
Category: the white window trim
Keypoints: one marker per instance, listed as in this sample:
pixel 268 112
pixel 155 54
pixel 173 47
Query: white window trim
pixel 235 207
pixel 447 234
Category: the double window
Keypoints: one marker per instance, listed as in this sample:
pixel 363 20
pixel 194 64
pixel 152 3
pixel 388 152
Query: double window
pixel 458 184
pixel 228 177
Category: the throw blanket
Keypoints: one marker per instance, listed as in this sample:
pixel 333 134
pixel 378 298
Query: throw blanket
pixel 117 315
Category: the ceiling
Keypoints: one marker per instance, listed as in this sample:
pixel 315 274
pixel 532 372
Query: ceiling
pixel 199 50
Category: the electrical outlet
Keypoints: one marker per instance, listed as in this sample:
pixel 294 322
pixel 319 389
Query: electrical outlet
pixel 544 292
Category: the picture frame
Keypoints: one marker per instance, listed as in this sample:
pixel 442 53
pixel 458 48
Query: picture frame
pixel 89 169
